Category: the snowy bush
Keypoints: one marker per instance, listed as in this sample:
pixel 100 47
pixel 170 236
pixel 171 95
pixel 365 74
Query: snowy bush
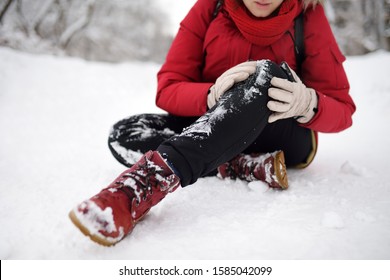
pixel 360 26
pixel 113 30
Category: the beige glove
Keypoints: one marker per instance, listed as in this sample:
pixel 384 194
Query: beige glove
pixel 291 99
pixel 234 75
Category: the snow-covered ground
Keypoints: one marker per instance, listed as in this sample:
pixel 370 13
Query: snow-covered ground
pixel 55 114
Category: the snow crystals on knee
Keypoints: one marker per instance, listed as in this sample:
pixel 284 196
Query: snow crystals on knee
pixel 263 75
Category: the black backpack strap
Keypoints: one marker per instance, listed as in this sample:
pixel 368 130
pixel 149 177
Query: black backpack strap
pixel 217 8
pixel 299 43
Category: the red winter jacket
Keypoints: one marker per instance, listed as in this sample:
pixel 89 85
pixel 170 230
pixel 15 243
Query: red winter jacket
pixel 204 48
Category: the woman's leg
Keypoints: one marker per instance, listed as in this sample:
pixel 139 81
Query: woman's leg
pixel 264 159
pixel 131 137
pixel 226 130
pixel 286 135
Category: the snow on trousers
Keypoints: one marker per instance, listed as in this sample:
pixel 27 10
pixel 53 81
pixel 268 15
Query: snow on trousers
pixel 237 123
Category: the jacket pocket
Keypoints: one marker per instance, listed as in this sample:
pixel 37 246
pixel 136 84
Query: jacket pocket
pixel 337 54
pixel 338 69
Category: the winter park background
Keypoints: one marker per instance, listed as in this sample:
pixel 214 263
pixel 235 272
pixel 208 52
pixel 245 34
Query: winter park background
pixel 55 114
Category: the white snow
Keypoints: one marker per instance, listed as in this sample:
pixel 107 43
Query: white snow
pixel 130 156
pixel 263 76
pixel 332 220
pixel 202 127
pixel 96 219
pixel 55 115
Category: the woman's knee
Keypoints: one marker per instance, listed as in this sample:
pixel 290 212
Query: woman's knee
pixel 267 69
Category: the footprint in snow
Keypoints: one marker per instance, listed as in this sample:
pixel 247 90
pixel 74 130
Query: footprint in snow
pixel 352 169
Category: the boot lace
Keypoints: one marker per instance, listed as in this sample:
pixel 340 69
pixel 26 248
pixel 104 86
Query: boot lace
pixel 241 168
pixel 145 178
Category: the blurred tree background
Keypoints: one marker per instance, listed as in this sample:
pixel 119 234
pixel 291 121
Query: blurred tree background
pixel 120 30
pixel 115 30
pixel 360 26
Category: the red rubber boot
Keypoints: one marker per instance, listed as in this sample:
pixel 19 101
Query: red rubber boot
pixel 113 213
pixel 269 168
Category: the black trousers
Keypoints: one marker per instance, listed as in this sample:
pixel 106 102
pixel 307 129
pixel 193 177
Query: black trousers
pixel 238 123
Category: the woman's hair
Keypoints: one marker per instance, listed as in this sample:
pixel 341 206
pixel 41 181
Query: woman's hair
pixel 306 3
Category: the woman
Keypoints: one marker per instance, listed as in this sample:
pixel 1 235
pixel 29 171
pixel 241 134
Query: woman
pixel 229 83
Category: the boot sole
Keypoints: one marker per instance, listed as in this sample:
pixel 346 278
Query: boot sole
pixel 95 237
pixel 86 232
pixel 280 170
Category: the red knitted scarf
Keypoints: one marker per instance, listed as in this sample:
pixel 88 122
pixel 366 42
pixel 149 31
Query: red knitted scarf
pixel 263 31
